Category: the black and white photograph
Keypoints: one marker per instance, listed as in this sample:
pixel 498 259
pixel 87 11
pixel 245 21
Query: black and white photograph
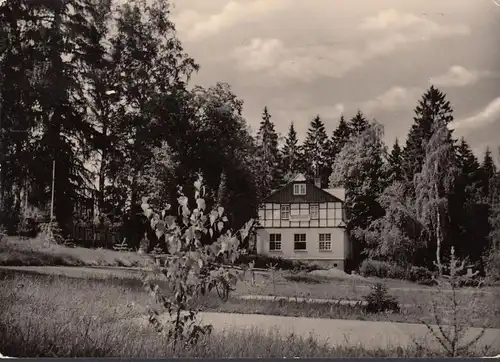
pixel 249 178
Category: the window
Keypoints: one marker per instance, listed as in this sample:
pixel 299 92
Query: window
pixel 285 212
pixel 299 189
pixel 325 242
pixel 274 242
pixel 299 242
pixel 314 212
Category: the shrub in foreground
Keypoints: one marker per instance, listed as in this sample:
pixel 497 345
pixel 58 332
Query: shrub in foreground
pixel 380 301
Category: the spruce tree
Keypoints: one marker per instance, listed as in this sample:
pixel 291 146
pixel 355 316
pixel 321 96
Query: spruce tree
pixel 316 152
pixel 467 214
pixel 431 108
pixel 395 160
pixel 339 138
pixel 469 181
pixel 291 153
pixel 268 155
pixel 488 172
pixel 358 124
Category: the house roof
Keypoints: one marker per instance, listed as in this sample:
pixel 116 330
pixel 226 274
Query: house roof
pixel 314 194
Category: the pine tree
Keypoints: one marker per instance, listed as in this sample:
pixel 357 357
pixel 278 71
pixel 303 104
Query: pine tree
pixel 316 151
pixel 431 108
pixel 358 124
pixel 268 155
pixel 395 163
pixel 291 153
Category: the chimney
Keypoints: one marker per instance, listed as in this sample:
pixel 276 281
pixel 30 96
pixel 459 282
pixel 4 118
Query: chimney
pixel 317 182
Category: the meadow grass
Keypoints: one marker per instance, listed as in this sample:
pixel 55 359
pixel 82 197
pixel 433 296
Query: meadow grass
pixel 35 252
pixel 56 316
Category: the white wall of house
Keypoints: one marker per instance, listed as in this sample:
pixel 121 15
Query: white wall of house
pixel 334 249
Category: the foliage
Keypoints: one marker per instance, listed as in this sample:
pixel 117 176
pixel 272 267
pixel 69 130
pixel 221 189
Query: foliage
pixel 359 168
pixel 421 275
pixel 193 269
pixel 379 300
pixel 381 269
pixel 492 265
pixel 433 184
pixel 268 155
pixel 488 173
pixel 451 311
pixel 339 138
pixel 395 163
pixel 316 148
pixel 224 152
pixel 398 235
pixel 433 107
pixel 358 124
pixel 51 232
pixel 292 157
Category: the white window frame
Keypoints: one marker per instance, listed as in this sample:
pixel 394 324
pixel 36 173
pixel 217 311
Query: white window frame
pixel 325 242
pixel 285 212
pixel 276 241
pixel 315 207
pixel 299 236
pixel 299 189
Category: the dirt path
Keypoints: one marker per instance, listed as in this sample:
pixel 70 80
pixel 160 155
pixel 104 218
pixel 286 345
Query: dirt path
pixel 334 331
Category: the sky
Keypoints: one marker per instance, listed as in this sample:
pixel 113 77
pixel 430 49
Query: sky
pixel 333 57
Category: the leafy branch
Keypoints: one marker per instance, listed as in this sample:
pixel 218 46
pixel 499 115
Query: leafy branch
pixel 193 269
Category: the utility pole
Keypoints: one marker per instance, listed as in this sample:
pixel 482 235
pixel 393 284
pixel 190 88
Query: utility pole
pixel 52 196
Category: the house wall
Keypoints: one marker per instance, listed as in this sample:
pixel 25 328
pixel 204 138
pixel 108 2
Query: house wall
pixel 336 255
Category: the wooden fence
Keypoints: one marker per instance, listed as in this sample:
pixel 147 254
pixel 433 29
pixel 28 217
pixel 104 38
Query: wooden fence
pixel 92 237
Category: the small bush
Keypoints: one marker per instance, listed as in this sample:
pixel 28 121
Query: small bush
pixel 396 272
pixel 375 268
pixel 421 275
pixel 379 300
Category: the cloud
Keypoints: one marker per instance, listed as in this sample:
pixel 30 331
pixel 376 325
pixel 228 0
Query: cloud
pixel 312 62
pixel 487 116
pixel 390 18
pixel 195 26
pixel 458 76
pixel 393 99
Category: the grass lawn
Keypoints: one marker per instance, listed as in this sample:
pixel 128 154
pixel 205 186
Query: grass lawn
pixel 488 306
pixel 34 252
pixel 47 316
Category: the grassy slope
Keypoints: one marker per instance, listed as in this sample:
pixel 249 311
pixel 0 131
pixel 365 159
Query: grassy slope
pixel 34 252
pixel 50 316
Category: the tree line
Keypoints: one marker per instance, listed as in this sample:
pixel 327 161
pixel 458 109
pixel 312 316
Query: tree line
pixel 101 90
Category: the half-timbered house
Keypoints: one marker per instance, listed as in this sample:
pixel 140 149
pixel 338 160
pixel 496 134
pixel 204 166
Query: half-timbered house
pixel 302 221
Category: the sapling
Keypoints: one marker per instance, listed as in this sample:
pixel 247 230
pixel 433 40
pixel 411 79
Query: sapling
pixel 452 315
pixel 192 269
